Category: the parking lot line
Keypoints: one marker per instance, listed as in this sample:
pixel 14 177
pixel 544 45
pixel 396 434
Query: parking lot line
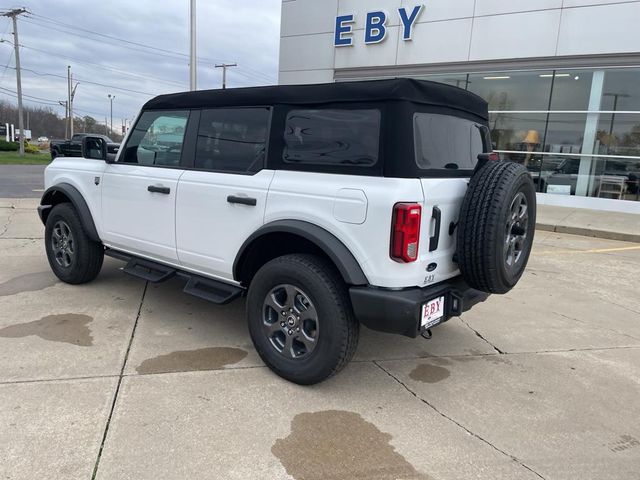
pixel 596 250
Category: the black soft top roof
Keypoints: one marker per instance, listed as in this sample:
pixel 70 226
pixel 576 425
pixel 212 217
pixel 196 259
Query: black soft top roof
pixel 404 89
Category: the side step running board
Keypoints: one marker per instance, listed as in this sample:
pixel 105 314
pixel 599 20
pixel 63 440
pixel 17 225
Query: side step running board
pixel 201 287
pixel 211 290
pixel 150 271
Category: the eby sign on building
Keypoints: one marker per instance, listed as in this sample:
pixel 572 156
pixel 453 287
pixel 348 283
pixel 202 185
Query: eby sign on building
pixel 375 29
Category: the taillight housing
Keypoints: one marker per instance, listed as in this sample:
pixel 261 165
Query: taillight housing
pixel 405 232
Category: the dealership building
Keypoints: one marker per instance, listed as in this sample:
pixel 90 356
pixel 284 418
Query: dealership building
pixel 561 77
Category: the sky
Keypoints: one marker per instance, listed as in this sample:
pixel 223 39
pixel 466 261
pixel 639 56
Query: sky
pixel 88 35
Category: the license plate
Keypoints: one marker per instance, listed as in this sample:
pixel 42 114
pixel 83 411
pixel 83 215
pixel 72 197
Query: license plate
pixel 432 312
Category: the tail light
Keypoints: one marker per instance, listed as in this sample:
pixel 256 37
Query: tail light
pixel 489 157
pixel 405 232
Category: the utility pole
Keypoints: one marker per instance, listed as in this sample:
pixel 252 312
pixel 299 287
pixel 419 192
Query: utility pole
pixel 69 108
pixel 192 50
pixel 13 14
pixel 71 95
pixel 224 67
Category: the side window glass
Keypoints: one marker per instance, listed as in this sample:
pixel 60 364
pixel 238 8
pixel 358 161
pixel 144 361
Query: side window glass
pixel 157 139
pixel 332 137
pixel 232 139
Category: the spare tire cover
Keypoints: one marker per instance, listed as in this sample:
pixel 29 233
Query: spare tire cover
pixel 496 226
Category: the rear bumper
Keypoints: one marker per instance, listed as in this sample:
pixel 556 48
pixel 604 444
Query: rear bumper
pixel 399 311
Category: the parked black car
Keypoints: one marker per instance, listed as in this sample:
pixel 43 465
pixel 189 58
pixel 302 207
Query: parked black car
pixel 73 147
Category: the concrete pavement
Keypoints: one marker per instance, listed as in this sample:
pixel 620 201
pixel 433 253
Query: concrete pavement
pixel 118 379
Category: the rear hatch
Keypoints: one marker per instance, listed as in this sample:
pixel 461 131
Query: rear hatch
pixel 446 149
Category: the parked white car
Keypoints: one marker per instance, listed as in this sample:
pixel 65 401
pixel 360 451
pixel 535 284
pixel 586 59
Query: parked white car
pixel 328 206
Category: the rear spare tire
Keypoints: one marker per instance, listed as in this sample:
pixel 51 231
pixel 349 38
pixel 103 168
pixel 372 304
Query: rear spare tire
pixel 496 227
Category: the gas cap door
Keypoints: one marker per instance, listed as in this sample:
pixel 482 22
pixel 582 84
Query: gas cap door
pixel 350 206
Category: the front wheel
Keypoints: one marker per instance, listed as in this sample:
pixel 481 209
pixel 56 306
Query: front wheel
pixel 72 255
pixel 300 318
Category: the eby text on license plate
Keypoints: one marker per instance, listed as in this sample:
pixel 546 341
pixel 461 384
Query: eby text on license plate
pixel 432 312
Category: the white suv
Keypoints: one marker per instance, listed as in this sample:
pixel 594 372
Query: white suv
pixel 326 205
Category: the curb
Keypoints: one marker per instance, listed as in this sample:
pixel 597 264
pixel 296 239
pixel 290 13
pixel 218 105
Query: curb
pixel 590 232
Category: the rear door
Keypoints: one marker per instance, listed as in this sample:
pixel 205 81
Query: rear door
pixel 139 190
pixel 223 195
pixel 446 149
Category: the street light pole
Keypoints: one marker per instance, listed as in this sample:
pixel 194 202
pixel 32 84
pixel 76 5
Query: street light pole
pixel 111 97
pixel 192 50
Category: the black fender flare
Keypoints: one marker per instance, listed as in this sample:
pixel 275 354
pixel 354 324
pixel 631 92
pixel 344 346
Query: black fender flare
pixel 77 200
pixel 339 254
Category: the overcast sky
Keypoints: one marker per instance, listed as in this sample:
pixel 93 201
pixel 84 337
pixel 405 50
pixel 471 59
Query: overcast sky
pixel 68 32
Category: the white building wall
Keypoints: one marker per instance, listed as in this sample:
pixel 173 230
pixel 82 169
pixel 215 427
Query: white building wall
pixel 453 31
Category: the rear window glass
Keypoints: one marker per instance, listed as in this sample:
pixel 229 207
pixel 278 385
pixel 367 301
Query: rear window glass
pixel 446 142
pixel 332 137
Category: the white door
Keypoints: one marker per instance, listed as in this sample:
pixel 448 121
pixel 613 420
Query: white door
pixel 139 190
pixel 222 200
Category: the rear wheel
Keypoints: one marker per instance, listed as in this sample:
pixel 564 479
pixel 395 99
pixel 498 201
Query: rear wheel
pixel 72 255
pixel 300 318
pixel 496 227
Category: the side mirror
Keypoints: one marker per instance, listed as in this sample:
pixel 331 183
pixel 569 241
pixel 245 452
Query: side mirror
pixel 95 148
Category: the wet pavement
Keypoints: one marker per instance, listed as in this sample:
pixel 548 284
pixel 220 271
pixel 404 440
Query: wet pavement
pixel 118 379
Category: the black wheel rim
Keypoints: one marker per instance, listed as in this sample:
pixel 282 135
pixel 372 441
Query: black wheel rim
pixel 63 244
pixel 516 230
pixel 290 321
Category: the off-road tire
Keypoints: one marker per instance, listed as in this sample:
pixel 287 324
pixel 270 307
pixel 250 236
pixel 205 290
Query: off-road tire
pixel 89 255
pixel 338 330
pixel 484 218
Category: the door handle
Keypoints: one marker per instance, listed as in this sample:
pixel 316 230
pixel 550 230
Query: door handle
pixel 242 200
pixel 156 189
pixel 433 241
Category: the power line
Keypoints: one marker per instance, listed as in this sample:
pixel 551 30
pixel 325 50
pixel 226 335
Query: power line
pixel 103 67
pixel 74 27
pixel 251 73
pixel 30 96
pixel 45 101
pixel 89 82
pixel 43 25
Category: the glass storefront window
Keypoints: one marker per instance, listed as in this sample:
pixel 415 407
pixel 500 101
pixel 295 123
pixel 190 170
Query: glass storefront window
pixel 571 90
pixel 621 92
pixel 609 177
pixel 459 81
pixel 538 132
pixel 513 90
pixel 543 120
pixel 565 132
pixel 618 134
pixel 517 131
